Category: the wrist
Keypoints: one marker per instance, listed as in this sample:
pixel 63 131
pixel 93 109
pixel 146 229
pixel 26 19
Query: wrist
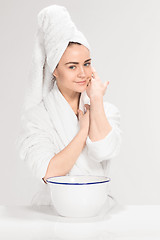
pixel 95 98
pixel 84 132
pixel 96 104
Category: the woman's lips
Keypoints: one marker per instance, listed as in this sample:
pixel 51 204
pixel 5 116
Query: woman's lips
pixel 81 83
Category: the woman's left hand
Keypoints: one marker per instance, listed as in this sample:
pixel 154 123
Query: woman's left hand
pixel 96 88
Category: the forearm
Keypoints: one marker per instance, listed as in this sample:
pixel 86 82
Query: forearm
pixel 99 125
pixel 63 162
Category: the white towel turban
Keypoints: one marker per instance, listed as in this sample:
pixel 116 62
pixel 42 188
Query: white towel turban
pixel 55 31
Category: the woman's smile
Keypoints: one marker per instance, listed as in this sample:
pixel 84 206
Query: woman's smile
pixel 81 83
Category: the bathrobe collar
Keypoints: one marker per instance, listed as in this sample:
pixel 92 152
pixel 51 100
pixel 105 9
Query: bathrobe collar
pixel 64 103
pixel 62 115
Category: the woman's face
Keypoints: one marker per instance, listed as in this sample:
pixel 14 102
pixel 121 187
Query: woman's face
pixel 74 67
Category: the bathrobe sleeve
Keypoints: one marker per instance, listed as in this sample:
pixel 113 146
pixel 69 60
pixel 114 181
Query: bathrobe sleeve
pixel 35 142
pixel 109 146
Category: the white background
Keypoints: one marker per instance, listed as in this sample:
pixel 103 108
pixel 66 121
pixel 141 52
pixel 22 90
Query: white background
pixel 125 41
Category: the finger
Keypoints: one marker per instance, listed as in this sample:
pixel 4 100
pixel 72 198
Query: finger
pixel 93 69
pixel 89 82
pixel 87 106
pixel 106 84
pixel 80 113
pixel 94 73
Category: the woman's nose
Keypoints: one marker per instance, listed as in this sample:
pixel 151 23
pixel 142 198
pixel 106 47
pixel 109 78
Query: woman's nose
pixel 81 72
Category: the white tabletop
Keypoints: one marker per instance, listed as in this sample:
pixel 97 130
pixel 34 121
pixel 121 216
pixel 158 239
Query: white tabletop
pixel 132 222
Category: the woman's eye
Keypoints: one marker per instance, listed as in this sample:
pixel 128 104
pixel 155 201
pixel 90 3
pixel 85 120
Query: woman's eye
pixel 72 67
pixel 87 63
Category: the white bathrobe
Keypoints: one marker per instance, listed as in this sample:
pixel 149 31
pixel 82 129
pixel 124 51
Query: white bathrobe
pixel 50 126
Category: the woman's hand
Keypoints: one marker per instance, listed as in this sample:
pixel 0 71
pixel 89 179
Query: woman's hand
pixel 96 88
pixel 84 118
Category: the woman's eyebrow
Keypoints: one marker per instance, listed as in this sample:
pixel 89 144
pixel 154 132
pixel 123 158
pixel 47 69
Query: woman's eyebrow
pixel 77 62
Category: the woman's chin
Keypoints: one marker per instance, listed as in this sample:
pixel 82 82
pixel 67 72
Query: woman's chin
pixel 81 89
pixel 81 86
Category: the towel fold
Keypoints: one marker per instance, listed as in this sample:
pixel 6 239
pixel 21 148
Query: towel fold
pixel 55 30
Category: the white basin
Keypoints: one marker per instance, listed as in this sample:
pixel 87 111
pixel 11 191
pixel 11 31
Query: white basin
pixel 79 196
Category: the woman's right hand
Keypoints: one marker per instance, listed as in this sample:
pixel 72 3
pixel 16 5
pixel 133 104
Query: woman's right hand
pixel 84 118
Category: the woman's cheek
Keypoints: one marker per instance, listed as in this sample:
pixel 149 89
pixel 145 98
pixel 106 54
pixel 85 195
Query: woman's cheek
pixel 89 72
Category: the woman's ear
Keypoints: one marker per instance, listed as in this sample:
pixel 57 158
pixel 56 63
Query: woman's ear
pixel 55 73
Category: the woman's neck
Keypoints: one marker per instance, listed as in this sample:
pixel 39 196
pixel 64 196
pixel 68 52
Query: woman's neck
pixel 72 98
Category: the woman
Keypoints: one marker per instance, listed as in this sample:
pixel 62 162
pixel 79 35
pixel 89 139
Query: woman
pixel 67 127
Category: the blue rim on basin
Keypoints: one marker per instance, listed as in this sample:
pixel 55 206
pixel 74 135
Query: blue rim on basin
pixel 52 180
